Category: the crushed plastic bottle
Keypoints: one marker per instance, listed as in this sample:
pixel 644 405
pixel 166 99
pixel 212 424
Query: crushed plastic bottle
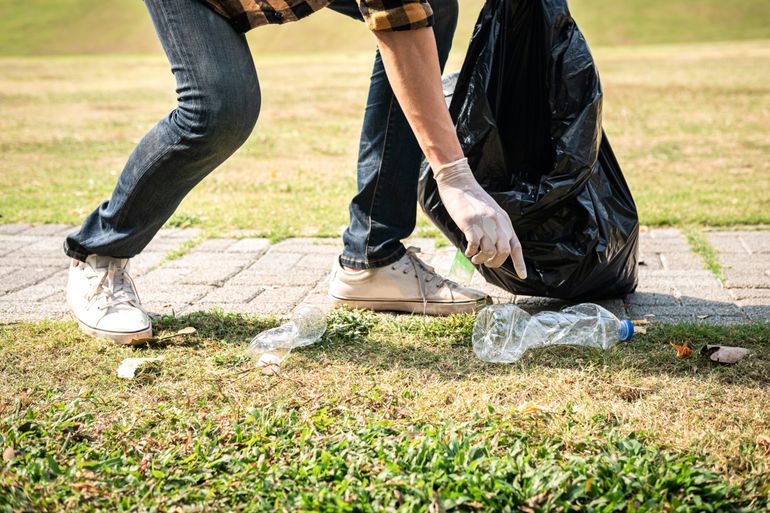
pixel 503 333
pixel 270 348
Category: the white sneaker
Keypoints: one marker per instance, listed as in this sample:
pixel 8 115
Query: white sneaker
pixel 103 299
pixel 408 285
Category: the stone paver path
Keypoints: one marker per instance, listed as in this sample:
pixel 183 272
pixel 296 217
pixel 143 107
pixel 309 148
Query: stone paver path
pixel 244 274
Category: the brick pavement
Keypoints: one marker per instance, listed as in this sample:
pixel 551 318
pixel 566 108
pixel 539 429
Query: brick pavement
pixel 244 274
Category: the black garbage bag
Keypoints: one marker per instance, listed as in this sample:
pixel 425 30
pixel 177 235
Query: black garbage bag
pixel 527 105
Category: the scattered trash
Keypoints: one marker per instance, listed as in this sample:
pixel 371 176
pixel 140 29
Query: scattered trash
pixel 128 367
pixel 725 354
pixel 181 333
pixel 9 454
pixel 462 269
pixel 270 348
pixel 705 316
pixel 503 333
pixel 683 351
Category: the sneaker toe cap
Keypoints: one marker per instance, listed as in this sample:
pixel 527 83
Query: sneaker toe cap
pixel 126 321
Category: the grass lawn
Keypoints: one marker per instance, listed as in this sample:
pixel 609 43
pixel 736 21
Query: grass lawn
pixel 383 414
pixel 688 122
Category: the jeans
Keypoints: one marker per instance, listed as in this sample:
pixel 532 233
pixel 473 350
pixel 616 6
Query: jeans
pixel 218 106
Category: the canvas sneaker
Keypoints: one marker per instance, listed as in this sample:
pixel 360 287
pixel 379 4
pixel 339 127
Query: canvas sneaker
pixel 408 285
pixel 103 299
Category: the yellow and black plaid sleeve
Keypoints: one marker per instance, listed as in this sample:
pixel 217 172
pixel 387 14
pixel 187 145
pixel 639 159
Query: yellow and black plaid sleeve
pixel 396 14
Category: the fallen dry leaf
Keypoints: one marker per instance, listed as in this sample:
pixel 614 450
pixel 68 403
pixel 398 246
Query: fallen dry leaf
pixel 763 442
pixel 630 393
pixel 725 354
pixel 683 351
pixel 9 454
pixel 531 408
pixel 181 333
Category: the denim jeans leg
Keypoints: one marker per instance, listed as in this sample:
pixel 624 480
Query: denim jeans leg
pixel 384 210
pixel 218 105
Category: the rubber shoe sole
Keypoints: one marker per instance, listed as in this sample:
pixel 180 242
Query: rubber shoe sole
pixel 117 337
pixel 414 307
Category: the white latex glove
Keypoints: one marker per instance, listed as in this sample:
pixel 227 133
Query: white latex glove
pixel 487 228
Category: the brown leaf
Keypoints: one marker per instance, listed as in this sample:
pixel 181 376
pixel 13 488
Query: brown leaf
pixel 763 442
pixel 532 408
pixel 683 351
pixel 725 354
pixel 9 454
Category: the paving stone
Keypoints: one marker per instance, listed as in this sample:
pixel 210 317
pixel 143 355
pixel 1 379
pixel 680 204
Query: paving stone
pixel 650 261
pixel 232 294
pixel 316 261
pixel 13 229
pixel 146 260
pixel 749 293
pixel 748 279
pixel 251 246
pixel 201 260
pixel 40 291
pixel 32 311
pixel 652 299
pixel 681 262
pixel 274 262
pixel 50 229
pixel 726 242
pixel 215 245
pixel 757 309
pixel 756 242
pixel 282 295
pixel 308 277
pixel 181 234
pixel 305 245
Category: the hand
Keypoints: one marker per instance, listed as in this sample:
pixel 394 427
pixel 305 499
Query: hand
pixel 486 226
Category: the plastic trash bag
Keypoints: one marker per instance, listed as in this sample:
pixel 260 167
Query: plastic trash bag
pixel 527 105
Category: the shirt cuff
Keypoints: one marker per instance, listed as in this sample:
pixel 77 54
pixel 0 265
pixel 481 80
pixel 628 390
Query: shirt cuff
pixel 406 16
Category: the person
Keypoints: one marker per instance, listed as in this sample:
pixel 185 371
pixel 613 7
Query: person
pixel 218 91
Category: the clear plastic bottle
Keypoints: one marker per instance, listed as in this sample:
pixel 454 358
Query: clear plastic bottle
pixel 503 333
pixel 271 347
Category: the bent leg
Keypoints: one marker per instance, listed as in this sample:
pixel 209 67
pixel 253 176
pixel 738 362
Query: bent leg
pixel 218 105
pixel 383 212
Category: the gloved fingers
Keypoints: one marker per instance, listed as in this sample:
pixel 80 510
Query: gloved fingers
pixel 473 235
pixel 503 252
pixel 488 251
pixel 517 256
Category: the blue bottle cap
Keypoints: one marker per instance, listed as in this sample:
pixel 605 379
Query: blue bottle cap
pixel 626 330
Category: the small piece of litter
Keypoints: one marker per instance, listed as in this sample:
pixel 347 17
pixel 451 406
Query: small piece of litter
pixel 639 330
pixel 725 354
pixel 127 369
pixel 9 454
pixel 701 317
pixel 684 350
pixel 640 322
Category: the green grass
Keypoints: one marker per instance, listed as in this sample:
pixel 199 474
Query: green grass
pixel 688 123
pixel 41 27
pixel 385 413
pixel 701 246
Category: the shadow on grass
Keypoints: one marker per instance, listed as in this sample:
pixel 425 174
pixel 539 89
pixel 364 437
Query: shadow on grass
pixel 443 346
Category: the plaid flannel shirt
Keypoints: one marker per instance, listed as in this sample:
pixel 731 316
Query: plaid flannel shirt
pixel 379 14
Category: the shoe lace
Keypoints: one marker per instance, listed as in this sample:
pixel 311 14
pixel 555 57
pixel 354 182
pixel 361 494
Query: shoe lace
pixel 425 274
pixel 114 287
